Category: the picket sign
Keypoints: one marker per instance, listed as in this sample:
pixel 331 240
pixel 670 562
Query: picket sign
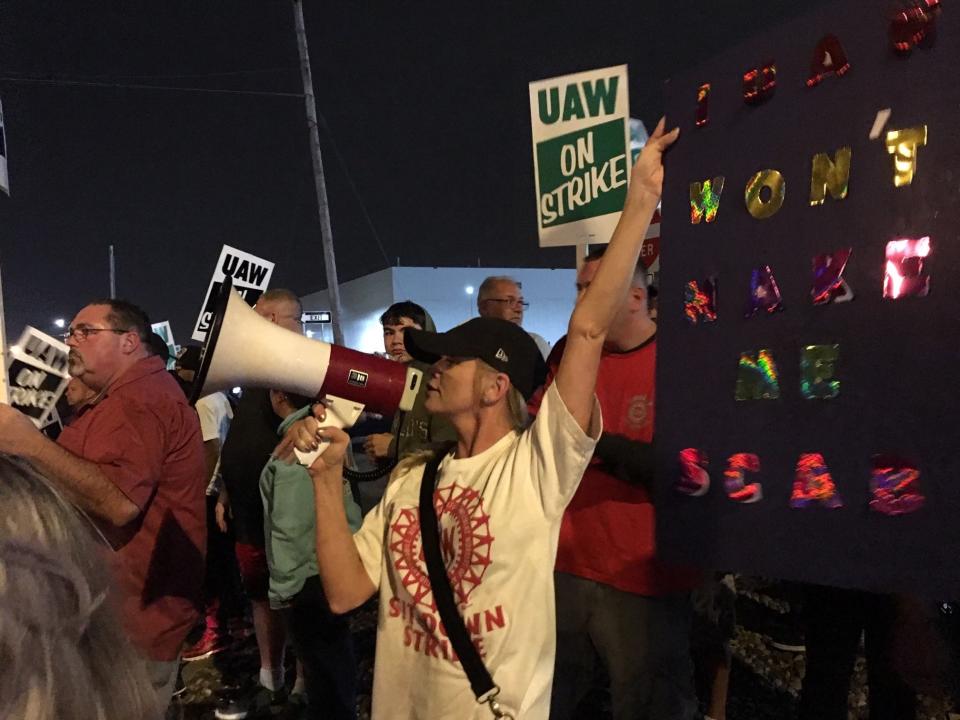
pixel 250 276
pixel 581 154
pixel 36 374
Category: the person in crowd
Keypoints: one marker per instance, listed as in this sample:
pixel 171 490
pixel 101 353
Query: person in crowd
pixel 322 640
pixel 158 346
pixel 500 496
pixel 835 620
pixel 223 603
pixel 246 450
pixel 614 597
pixel 501 297
pixel 77 395
pixel 63 650
pixel 133 461
pixel 714 626
pixel 653 300
pixel 416 429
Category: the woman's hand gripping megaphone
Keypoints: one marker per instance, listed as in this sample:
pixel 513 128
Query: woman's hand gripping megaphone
pixel 320 438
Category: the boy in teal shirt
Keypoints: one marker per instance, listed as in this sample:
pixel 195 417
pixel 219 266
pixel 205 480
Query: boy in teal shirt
pixel 321 639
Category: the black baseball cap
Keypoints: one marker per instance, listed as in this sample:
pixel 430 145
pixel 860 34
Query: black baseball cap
pixel 503 345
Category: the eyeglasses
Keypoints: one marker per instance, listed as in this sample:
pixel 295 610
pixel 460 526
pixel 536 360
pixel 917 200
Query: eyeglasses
pixel 81 333
pixel 512 302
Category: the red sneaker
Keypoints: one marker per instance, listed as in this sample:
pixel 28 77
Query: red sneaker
pixel 211 643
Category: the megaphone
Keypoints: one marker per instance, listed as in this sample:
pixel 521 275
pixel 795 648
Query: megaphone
pixel 245 349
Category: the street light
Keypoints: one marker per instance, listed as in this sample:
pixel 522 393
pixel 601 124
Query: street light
pixel 60 323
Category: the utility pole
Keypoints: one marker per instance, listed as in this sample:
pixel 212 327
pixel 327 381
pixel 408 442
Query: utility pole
pixel 4 392
pixel 113 276
pixel 323 207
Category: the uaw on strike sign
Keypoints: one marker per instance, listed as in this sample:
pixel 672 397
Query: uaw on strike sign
pixel 37 374
pixel 581 154
pixel 250 276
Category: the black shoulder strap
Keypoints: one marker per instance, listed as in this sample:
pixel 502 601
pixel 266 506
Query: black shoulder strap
pixel 477 673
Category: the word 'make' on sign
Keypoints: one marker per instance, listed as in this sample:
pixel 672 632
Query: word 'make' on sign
pixel 581 154
pixel 250 276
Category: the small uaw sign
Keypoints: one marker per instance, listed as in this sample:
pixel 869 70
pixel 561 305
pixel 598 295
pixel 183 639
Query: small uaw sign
pixel 250 275
pixel 581 154
pixel 164 330
pixel 37 374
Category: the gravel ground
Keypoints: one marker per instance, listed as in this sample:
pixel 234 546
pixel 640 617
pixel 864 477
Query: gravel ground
pixel 765 681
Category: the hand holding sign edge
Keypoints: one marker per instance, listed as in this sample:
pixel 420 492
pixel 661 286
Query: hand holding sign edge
pixel 647 175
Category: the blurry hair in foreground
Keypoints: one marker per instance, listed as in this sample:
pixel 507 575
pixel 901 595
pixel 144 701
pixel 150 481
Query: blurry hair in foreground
pixel 62 650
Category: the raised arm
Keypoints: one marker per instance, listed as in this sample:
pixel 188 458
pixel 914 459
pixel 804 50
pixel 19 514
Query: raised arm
pixel 596 310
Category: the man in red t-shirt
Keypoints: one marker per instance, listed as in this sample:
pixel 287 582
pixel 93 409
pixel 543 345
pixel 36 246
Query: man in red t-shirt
pixel 133 461
pixel 613 595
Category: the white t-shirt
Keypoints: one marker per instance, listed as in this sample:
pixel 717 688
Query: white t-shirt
pixel 499 515
pixel 215 415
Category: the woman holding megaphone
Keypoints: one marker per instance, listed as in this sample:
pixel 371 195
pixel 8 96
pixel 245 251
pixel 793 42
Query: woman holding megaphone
pixel 462 546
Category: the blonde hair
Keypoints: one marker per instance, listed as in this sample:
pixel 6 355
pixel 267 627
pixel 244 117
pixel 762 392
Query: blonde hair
pixel 62 649
pixel 516 405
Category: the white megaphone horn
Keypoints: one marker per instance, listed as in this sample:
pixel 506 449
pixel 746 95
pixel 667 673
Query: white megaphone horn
pixel 245 349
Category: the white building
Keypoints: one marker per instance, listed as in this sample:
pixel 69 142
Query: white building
pixel 448 294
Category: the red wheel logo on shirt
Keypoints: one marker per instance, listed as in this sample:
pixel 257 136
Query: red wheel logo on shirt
pixel 638 412
pixel 465 543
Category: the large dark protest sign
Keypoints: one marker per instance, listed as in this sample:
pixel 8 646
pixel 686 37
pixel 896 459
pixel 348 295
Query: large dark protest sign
pixel 808 322
pixel 250 276
pixel 36 374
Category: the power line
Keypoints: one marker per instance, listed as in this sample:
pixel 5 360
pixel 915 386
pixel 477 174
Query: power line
pixel 155 76
pixel 353 187
pixel 125 86
pixel 224 73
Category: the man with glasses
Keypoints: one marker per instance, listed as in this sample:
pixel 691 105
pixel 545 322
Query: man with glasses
pixel 501 297
pixel 133 461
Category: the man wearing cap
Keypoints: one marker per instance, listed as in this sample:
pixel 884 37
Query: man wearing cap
pixel 500 495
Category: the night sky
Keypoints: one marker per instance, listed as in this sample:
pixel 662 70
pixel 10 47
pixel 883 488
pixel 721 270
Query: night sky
pixel 426 143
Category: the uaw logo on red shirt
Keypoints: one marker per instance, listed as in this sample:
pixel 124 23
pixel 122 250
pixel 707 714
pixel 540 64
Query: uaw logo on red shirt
pixel 638 411
pixel 466 546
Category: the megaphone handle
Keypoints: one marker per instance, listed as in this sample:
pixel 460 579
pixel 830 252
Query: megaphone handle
pixel 306 458
pixel 340 413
